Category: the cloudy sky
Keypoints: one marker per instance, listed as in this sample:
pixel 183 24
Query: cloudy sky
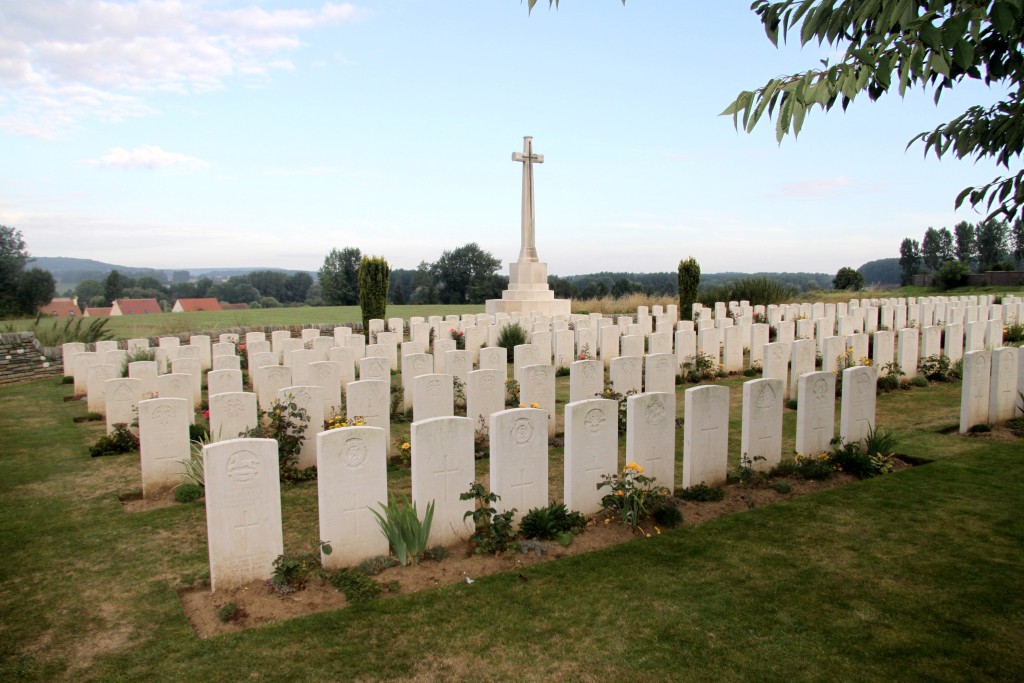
pixel 192 133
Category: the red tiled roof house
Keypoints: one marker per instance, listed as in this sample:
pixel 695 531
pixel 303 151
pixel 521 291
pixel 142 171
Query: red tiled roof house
pixel 193 305
pixel 135 307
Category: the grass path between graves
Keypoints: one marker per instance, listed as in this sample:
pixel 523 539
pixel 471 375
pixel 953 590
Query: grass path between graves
pixel 911 576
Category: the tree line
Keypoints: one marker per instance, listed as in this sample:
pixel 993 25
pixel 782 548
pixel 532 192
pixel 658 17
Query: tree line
pixel 259 289
pixel 22 290
pixel 991 244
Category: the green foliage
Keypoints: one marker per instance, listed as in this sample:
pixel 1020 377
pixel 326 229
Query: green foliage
pixel 701 493
pixel 936 368
pixel 621 400
pixel 632 495
pixel 919 381
pixel 374 275
pixel 292 572
pixel 848 278
pixel 230 612
pixel 666 514
pixel 339 277
pixel 689 282
pixel 36 288
pixel 903 44
pixel 781 486
pixel 121 440
pixel 880 440
pixel 699 367
pixel 286 423
pixel 375 565
pixel 406 533
pixel 511 336
pixel 548 523
pixel 467 275
pixel 511 393
pixel 817 467
pixel 187 492
pixel 51 332
pixel 493 530
pixel 910 260
pixel 1013 333
pixel 952 274
pixel 757 290
pixel 357 586
pixel 889 377
pixel 850 458
pixel 134 356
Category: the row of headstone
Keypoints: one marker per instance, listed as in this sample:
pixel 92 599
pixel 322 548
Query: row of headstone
pixel 243 496
pixel 992 389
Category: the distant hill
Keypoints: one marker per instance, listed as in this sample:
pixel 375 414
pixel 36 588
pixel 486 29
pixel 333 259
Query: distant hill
pixel 70 271
pixel 884 271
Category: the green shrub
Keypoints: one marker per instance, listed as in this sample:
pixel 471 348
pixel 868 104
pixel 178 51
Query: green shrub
pixel 880 440
pixel 952 274
pixel 406 533
pixel 667 515
pixel 287 424
pixel 851 459
pixel 936 367
pixel 134 356
pixel 374 279
pixel 689 282
pixel 52 332
pixel 701 493
pixel 781 486
pixel 547 523
pixel 230 612
pixel 493 530
pixel 292 572
pixel 919 381
pixel 121 440
pixel 375 565
pixel 357 586
pixel 187 492
pixel 511 336
pixel 756 290
pixel 1013 333
pixel 814 466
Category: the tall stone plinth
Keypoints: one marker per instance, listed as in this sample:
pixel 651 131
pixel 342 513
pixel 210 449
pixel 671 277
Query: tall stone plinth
pixel 528 292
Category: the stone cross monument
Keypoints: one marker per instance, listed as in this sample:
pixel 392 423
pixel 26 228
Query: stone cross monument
pixel 528 290
pixel 528 251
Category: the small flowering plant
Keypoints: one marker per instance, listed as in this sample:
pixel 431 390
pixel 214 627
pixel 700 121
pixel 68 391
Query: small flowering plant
pixel 632 495
pixel 460 339
pixel 338 422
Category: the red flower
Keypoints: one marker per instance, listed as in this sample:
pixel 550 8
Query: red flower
pixel 206 414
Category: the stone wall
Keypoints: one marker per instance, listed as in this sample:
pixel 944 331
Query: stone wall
pixel 24 359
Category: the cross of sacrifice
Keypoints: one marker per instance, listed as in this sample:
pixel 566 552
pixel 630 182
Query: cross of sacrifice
pixel 528 251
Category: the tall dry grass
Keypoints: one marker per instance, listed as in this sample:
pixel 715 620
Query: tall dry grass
pixel 626 305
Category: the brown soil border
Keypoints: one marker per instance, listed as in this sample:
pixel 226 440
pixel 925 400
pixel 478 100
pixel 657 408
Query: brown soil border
pixel 261 605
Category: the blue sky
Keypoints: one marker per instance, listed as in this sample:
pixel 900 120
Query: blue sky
pixel 177 134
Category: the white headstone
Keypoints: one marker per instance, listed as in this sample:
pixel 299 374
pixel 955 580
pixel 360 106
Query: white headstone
pixel 352 480
pixel 626 374
pixel 651 435
pixel 660 371
pixel 146 372
pixel 163 443
pixel 537 389
pixel 761 431
pixel 268 381
pixel 177 386
pixel 432 396
pixel 519 459
pixel 586 380
pixel 231 415
pixel 591 451
pixel 975 389
pixel 1003 395
pixel 227 363
pixel 801 362
pixel 815 413
pixel 485 395
pixel 327 375
pixel 705 435
pixel 223 381
pixel 370 399
pixel 243 511
pixel 96 401
pixel 442 469
pixel 310 399
pixel 857 410
pixel 122 396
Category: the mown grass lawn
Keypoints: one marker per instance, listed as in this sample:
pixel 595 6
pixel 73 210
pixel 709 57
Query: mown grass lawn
pixel 911 576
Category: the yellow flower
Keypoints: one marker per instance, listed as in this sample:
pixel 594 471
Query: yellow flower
pixel 619 493
pixel 406 446
pixel 648 535
pixel 535 405
pixel 635 467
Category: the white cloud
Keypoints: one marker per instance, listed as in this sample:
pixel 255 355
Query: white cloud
pixel 148 157
pixel 61 62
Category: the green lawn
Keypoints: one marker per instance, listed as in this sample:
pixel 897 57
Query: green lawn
pixel 912 576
